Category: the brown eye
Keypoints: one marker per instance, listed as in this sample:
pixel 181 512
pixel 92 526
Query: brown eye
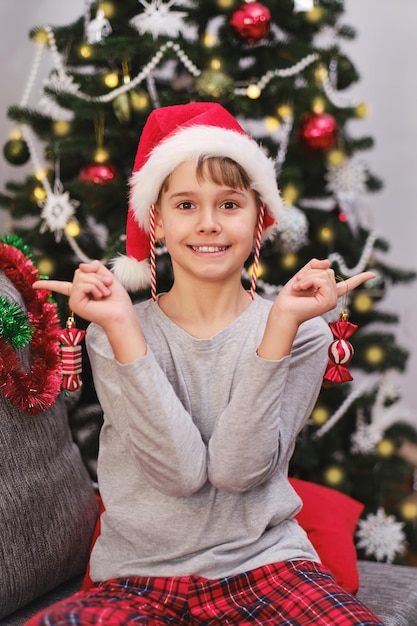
pixel 185 205
pixel 229 205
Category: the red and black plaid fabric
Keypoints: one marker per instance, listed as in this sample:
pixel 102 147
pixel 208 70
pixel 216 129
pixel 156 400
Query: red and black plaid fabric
pixel 294 593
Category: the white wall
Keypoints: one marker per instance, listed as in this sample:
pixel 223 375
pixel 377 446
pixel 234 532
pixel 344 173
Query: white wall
pixel 16 53
pixel 384 52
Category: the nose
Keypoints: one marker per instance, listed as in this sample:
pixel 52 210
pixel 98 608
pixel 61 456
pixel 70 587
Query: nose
pixel 208 221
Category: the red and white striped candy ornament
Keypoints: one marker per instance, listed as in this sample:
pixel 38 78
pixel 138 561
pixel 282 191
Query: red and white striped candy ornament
pixel 340 350
pixel 71 354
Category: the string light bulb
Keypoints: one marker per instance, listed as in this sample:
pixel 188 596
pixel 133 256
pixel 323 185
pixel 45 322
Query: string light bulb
pixel 320 415
pixel 39 193
pixel 334 475
pixel 272 123
pixel 253 91
pixel 285 110
pixel 318 105
pixel 72 228
pixel 111 80
pixel 85 51
pixel 61 128
pixel 374 355
pixel 290 194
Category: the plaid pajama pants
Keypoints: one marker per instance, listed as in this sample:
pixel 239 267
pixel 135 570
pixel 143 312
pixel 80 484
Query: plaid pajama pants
pixel 293 593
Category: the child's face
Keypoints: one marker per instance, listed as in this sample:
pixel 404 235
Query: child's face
pixel 208 228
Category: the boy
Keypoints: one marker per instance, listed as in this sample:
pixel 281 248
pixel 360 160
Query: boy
pixel 204 390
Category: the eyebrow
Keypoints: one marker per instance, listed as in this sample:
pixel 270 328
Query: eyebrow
pixel 179 194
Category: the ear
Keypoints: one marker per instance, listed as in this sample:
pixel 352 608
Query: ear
pixel 159 225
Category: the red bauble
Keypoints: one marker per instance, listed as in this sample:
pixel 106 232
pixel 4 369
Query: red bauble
pixel 318 132
pixel 98 173
pixel 251 22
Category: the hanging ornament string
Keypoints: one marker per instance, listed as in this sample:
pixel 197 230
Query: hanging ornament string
pixel 35 390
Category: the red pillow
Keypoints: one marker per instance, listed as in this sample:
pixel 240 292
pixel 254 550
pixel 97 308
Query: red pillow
pixel 329 518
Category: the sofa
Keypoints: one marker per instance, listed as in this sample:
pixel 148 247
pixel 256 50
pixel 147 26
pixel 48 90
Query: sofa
pixel 389 590
pixel 49 508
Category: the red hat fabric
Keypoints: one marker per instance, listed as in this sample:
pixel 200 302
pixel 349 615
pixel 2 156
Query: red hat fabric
pixel 179 133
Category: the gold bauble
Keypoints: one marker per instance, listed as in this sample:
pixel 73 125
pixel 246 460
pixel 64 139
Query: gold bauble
pixel 139 100
pixel 122 108
pixel 214 84
pixel 374 355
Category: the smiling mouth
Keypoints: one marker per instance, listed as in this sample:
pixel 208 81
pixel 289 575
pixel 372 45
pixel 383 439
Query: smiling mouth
pixel 209 249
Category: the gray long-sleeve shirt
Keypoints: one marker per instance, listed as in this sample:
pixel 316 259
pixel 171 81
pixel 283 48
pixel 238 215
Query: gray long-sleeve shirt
pixel 195 447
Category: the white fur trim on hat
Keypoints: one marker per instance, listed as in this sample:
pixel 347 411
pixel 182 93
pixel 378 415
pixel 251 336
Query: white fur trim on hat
pixel 202 140
pixel 134 275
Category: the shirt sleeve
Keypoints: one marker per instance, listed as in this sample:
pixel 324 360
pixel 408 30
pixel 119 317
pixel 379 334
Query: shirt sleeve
pixel 256 433
pixel 139 402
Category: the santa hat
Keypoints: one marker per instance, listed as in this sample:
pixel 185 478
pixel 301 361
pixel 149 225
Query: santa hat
pixel 175 134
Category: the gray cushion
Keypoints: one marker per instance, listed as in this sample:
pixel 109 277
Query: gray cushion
pixel 21 616
pixel 390 591
pixel 48 507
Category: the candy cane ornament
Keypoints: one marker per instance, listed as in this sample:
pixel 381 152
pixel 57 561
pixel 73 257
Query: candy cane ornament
pixel 71 354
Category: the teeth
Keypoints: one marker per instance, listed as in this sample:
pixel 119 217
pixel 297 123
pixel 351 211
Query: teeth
pixel 208 248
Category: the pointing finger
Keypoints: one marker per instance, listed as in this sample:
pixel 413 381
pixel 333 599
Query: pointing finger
pixel 344 286
pixel 59 286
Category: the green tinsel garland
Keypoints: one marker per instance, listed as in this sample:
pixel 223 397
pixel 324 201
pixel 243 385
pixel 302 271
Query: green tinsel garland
pixel 14 324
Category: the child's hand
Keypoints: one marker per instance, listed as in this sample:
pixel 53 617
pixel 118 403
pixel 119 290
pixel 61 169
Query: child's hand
pixel 95 294
pixel 314 291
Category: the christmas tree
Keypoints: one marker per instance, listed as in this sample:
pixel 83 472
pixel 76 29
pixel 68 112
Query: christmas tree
pixel 280 68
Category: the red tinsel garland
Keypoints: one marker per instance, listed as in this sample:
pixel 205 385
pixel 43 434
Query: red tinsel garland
pixel 35 390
